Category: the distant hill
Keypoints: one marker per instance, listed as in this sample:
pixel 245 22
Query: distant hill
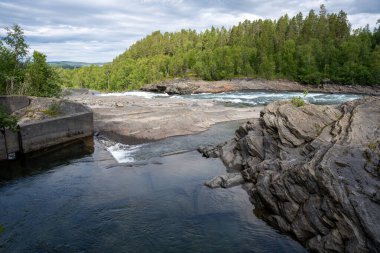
pixel 72 64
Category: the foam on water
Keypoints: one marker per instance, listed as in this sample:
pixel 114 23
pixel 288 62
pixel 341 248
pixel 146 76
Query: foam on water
pixel 123 153
pixel 143 94
pixel 253 98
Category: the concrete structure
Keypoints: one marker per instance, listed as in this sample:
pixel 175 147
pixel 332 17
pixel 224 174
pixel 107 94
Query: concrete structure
pixel 14 103
pixel 77 122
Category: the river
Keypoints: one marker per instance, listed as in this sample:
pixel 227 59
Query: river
pixel 79 198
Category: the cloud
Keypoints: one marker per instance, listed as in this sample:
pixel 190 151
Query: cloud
pixel 97 30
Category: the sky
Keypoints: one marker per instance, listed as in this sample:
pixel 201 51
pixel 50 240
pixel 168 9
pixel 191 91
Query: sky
pixel 97 31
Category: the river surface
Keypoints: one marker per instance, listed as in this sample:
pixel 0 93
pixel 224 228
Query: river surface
pixel 80 198
pixel 250 98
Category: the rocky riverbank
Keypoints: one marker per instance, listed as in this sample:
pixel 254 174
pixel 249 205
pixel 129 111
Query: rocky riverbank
pixel 311 171
pixel 132 119
pixel 193 86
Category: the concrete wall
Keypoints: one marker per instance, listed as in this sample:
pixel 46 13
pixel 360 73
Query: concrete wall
pixel 14 103
pixel 51 132
pixel 3 154
pixel 45 133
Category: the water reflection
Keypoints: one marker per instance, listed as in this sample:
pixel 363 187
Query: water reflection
pixel 40 161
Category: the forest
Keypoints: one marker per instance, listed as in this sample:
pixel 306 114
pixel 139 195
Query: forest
pixel 22 74
pixel 318 48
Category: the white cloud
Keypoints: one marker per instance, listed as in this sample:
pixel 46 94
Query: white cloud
pixel 98 30
pixel 363 19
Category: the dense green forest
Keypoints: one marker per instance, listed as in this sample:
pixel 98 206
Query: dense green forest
pixel 313 49
pixel 21 74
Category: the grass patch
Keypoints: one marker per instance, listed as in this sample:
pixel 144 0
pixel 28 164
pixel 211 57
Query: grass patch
pixel 318 129
pixel 298 101
pixel 372 145
pixel 53 110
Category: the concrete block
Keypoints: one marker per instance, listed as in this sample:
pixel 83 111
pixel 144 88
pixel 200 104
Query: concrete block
pixel 14 103
pixel 46 133
pixel 78 123
pixel 8 143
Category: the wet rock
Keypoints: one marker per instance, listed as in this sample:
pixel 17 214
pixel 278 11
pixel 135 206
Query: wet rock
pixel 226 181
pixel 209 151
pixel 314 172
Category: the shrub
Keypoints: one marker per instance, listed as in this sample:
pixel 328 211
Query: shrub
pixel 7 121
pixel 372 145
pixel 53 110
pixel 297 101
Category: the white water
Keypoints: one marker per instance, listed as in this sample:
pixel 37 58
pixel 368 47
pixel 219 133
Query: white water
pixel 123 153
pixel 254 98
pixel 143 94
pixel 247 98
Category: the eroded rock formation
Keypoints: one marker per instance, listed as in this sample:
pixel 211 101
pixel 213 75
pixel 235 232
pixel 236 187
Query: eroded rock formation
pixel 312 171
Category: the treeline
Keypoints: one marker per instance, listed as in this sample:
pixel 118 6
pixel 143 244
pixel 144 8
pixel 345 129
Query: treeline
pixel 313 49
pixel 21 74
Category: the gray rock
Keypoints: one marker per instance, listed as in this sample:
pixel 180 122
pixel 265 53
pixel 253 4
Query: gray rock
pixel 209 151
pixel 315 172
pixel 226 181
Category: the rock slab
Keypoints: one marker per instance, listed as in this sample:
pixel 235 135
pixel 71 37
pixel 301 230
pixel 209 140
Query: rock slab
pixel 314 172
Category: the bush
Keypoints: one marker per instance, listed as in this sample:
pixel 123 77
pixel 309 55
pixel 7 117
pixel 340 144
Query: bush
pixel 297 101
pixel 7 121
pixel 372 145
pixel 53 110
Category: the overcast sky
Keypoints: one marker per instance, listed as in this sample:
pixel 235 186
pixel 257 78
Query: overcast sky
pixel 98 31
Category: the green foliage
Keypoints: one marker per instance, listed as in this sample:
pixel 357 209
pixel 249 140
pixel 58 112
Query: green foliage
pixel 307 49
pixel 13 52
pixel 297 101
pixel 53 110
pixel 318 129
pixel 40 77
pixel 2 229
pixel 7 121
pixel 20 74
pixel 372 145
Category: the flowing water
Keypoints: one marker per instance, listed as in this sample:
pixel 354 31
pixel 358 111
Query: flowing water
pixel 78 198
pixel 250 98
